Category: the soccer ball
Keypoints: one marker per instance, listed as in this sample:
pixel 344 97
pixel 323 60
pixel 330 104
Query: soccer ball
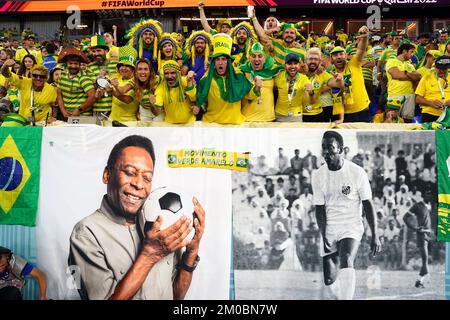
pixel 170 202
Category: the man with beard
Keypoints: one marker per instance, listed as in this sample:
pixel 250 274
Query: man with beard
pixel 244 36
pixel 280 48
pixel 443 35
pixel 176 94
pixel 402 79
pixel 144 37
pixel 294 91
pixel 223 26
pixel 424 40
pixel 115 260
pixel 353 97
pixel 76 93
pixel 199 45
pixel 260 65
pixel 224 87
pixel 319 80
pixel 101 67
pixel 342 197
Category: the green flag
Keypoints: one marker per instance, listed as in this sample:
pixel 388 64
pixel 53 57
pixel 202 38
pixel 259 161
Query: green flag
pixel 20 154
pixel 443 166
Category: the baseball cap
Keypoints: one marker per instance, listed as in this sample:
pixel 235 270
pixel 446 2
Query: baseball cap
pixel 337 50
pixel 292 57
pixel 443 62
pixel 30 36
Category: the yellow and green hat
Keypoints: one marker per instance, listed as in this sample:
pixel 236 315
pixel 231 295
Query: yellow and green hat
pixel 395 103
pixel 13 120
pixel 285 25
pixel 98 42
pixel 222 44
pixel 223 21
pixel 127 56
pixel 257 48
pixel 337 50
pixel 170 64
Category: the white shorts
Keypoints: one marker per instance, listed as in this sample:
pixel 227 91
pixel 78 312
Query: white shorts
pixel 336 233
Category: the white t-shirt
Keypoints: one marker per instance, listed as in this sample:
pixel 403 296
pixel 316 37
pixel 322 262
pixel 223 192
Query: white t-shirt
pixel 341 192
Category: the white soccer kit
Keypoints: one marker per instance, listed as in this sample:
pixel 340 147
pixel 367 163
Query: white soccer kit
pixel 342 193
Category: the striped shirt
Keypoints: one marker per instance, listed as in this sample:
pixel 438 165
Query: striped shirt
pixel 74 90
pixel 387 54
pixel 280 51
pixel 93 71
pixel 368 72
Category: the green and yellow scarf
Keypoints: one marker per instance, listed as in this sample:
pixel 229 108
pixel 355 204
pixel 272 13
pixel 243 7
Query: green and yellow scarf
pixel 233 89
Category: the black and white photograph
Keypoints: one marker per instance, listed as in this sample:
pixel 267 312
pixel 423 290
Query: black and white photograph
pixel 339 215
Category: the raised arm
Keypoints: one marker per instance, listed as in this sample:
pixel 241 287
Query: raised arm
pixel 203 19
pixel 263 37
pixel 363 43
pixel 40 277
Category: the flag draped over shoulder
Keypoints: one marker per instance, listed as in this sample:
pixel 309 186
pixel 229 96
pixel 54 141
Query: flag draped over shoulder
pixel 20 154
pixel 443 164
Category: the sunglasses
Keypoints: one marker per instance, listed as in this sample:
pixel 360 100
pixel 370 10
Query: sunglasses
pixel 38 76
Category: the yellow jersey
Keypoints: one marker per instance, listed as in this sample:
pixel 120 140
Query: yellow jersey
pixel 397 87
pixel 221 111
pixel 262 108
pixel 291 104
pixel 317 82
pixel 121 111
pixel 429 89
pixel 43 101
pixel 176 111
pixel 353 75
pixel 21 53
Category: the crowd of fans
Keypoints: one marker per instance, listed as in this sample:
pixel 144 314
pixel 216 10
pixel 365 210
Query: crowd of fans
pixel 273 209
pixel 252 71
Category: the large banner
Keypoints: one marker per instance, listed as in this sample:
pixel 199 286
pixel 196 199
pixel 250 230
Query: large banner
pixel 72 188
pixel 278 245
pixel 265 193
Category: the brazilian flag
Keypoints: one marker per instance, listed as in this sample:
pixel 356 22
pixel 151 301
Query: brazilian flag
pixel 443 164
pixel 20 155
